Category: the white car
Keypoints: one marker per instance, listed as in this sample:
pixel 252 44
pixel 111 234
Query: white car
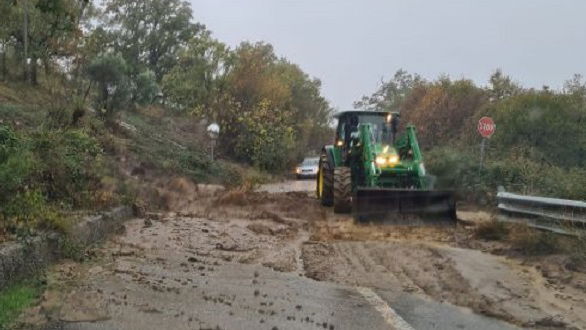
pixel 308 168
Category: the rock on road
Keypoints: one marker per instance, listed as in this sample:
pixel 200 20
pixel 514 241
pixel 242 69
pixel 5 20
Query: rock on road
pixel 244 260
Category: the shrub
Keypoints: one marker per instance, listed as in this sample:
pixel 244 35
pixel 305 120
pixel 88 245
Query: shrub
pixel 43 172
pixel 529 241
pixel 146 88
pixel 537 123
pixel 67 164
pixel 492 230
pixel 458 168
pixel 16 162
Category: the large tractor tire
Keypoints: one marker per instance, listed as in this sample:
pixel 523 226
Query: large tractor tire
pixel 325 181
pixel 342 190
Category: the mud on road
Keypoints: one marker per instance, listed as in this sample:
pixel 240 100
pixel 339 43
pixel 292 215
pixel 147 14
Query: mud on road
pixel 278 260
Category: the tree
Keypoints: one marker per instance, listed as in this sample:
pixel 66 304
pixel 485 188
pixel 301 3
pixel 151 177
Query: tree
pixel 443 110
pixel 150 33
pixel 390 94
pixel 198 82
pixel 6 11
pixel 146 88
pixel 575 86
pixel 310 111
pixel 110 73
pixel 501 86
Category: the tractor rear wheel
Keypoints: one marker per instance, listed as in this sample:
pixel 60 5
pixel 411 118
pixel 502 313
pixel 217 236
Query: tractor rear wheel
pixel 325 181
pixel 342 190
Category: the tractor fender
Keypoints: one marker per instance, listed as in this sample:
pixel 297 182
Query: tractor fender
pixel 331 154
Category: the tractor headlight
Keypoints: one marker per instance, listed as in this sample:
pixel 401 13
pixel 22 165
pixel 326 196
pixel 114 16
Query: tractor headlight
pixel 393 160
pixel 381 161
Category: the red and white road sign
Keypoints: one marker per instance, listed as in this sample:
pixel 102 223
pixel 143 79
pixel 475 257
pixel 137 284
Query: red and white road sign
pixel 486 127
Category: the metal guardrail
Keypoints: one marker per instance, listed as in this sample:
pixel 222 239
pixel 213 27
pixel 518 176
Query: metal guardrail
pixel 561 216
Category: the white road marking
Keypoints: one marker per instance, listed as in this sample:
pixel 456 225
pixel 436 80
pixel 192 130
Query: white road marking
pixel 390 316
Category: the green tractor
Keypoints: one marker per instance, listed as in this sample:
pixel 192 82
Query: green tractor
pixel 378 174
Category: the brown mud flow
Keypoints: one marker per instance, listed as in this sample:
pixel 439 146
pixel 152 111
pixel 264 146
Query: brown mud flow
pixel 243 259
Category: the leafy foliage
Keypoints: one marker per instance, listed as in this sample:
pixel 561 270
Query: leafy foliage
pixel 41 170
pixel 110 73
pixel 197 83
pixel 146 88
pixel 391 94
pixel 150 33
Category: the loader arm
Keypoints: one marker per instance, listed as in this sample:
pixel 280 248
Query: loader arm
pixel 408 143
pixel 368 151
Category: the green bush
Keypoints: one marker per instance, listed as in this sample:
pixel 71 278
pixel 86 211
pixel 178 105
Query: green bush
pixel 458 168
pixel 146 88
pixel 545 127
pixel 67 162
pixel 42 172
pixel 16 163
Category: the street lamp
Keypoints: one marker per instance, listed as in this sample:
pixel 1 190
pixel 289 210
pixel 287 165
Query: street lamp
pixel 213 132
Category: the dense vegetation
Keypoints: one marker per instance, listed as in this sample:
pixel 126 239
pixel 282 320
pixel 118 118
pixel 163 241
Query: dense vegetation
pixel 540 142
pixel 89 87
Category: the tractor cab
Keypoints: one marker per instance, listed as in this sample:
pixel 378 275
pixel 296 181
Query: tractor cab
pixel 383 127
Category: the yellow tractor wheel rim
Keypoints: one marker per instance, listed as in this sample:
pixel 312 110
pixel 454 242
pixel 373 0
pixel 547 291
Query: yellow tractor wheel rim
pixel 320 182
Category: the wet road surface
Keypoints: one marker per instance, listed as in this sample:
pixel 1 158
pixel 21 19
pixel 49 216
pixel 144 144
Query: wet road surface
pixel 224 265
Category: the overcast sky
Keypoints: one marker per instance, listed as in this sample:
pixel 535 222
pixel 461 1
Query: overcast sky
pixel 351 44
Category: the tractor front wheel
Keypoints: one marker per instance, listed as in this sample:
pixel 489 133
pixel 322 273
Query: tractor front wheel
pixel 342 190
pixel 325 181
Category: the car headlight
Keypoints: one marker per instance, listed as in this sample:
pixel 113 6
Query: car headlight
pixel 381 161
pixel 298 170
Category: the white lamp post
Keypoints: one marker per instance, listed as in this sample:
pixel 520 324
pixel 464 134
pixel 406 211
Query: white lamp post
pixel 213 132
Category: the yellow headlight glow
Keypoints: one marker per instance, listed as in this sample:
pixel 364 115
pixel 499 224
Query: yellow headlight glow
pixel 394 159
pixel 387 160
pixel 381 161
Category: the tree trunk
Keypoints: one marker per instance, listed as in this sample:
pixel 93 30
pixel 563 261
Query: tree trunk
pixel 47 66
pixel 33 69
pixel 25 38
pixel 4 68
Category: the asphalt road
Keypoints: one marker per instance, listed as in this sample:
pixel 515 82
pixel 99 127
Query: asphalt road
pixel 178 273
pixel 238 296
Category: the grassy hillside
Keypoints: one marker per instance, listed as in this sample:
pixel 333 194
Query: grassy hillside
pixel 56 157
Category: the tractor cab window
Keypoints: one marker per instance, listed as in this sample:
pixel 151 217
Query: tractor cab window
pixel 340 132
pixel 346 126
pixel 382 129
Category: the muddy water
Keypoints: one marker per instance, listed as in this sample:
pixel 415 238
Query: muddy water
pixel 289 186
pixel 275 259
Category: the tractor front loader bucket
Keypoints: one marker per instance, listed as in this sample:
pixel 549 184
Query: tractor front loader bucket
pixel 404 206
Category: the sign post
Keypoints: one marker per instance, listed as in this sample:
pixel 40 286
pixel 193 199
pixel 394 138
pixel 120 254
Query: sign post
pixel 486 128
